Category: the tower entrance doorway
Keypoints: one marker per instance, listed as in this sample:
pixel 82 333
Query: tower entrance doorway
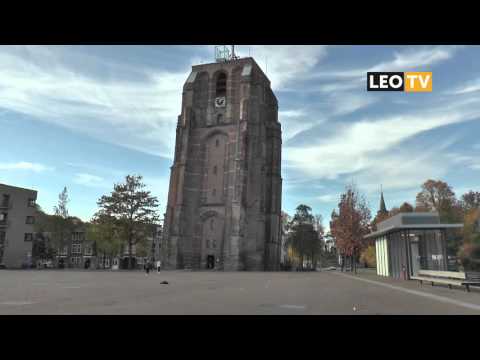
pixel 210 262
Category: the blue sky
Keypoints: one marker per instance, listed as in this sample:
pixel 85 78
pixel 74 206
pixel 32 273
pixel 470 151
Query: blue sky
pixel 86 116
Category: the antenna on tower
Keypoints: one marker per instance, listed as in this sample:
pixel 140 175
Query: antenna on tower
pixel 234 57
pixel 224 54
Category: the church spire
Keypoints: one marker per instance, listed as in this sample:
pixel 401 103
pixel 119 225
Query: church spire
pixel 383 208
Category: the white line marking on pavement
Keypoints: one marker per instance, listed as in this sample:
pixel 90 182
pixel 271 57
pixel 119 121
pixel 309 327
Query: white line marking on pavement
pixel 418 293
pixel 71 287
pixel 17 303
pixel 296 307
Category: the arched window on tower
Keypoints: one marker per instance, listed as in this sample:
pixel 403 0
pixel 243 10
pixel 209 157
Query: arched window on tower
pixel 221 86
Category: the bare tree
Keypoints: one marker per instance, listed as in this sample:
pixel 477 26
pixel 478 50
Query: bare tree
pixel 61 208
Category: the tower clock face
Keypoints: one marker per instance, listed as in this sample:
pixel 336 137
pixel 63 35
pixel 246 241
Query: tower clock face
pixel 220 102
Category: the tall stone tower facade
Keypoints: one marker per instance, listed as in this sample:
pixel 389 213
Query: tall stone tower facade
pixel 224 201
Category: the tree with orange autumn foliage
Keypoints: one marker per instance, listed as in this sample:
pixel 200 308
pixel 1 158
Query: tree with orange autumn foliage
pixel 469 252
pixel 350 224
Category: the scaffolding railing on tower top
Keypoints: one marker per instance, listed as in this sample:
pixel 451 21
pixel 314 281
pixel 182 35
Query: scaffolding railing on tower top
pixel 224 53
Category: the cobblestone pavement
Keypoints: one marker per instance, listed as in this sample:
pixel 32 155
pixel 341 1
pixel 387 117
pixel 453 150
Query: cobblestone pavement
pixel 268 293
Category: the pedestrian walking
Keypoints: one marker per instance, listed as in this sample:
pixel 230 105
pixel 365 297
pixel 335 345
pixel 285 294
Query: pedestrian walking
pixel 147 268
pixel 159 264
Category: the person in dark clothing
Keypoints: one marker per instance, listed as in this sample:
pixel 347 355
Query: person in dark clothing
pixel 147 268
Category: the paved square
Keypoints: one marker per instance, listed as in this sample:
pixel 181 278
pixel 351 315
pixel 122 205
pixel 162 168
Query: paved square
pixel 265 293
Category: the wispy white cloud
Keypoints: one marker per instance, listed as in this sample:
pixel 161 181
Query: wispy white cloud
pixel 359 146
pixel 328 198
pixel 414 57
pixel 469 87
pixel 23 165
pixel 366 150
pixel 135 114
pixel 417 57
pixel 471 162
pixel 89 180
pixel 340 85
pixel 296 121
pixel 291 113
pixel 139 111
pixel 346 103
pixel 284 63
pixel 346 88
pixel 90 167
pixel 403 171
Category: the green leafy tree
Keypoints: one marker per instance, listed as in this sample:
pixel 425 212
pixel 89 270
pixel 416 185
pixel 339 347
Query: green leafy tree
pixel 318 250
pixel 143 247
pixel 302 239
pixel 51 231
pixel 60 224
pixel 133 208
pixel 103 230
pixel 42 248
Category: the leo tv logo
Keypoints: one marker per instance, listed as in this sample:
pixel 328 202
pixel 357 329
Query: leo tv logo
pixel 399 81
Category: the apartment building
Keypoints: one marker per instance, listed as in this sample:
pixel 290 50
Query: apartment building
pixel 78 251
pixel 17 219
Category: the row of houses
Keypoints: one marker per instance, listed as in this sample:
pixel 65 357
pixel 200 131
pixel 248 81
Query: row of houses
pixel 81 252
pixel 19 242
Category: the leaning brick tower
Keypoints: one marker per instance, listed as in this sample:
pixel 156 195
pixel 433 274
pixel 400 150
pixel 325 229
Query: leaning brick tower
pixel 224 202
